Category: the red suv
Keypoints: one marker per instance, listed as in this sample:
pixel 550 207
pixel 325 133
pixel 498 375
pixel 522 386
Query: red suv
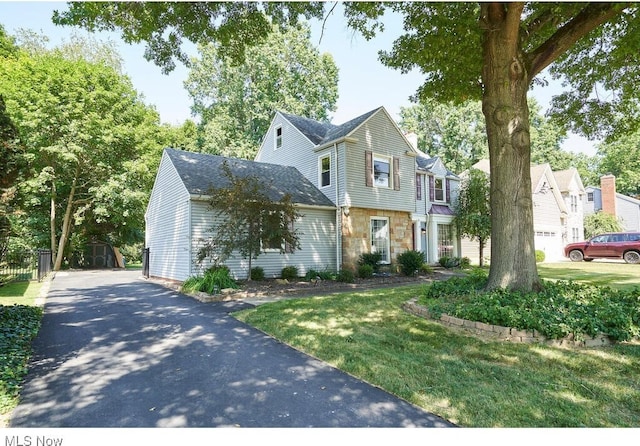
pixel 618 245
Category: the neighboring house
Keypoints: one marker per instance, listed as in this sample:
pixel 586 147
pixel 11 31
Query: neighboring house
pixel 573 193
pixel 178 216
pixel 391 197
pixel 556 214
pixel 606 199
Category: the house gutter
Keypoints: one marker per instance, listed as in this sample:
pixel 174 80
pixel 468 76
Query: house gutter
pixel 334 143
pixel 338 212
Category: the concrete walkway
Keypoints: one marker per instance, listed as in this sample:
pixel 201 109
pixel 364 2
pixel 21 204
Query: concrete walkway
pixel 115 350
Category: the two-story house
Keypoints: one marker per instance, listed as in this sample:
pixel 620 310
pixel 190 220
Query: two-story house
pixel 605 198
pixel 557 211
pixel 360 186
pixel 391 197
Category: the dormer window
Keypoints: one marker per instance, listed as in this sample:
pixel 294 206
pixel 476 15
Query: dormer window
pixel 438 189
pixel 278 137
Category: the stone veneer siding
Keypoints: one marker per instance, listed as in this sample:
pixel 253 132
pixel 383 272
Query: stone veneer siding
pixel 356 234
pixel 504 333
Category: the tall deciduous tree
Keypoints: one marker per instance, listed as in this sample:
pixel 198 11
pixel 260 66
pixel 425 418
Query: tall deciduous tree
pixel 473 209
pixel 622 159
pixel 493 51
pixel 236 102
pixel 81 124
pixel 454 132
pixel 248 221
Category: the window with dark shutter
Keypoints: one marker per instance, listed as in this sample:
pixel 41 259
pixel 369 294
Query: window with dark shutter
pixel 368 168
pixel 448 191
pixel 396 173
pixel 418 186
pixel 432 185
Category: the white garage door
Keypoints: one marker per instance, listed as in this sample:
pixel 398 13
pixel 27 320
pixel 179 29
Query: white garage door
pixel 550 242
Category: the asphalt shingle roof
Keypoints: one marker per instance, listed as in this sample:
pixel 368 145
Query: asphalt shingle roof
pixel 321 133
pixel 200 172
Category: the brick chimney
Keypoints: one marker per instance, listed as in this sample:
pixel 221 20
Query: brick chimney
pixel 608 189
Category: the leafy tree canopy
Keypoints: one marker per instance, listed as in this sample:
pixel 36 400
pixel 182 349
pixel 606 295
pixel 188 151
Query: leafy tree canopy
pixel 236 102
pixel 599 223
pixel 473 209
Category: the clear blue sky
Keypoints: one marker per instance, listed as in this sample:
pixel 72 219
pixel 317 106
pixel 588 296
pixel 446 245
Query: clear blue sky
pixel 364 82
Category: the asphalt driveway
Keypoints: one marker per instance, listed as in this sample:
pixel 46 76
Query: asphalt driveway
pixel 115 350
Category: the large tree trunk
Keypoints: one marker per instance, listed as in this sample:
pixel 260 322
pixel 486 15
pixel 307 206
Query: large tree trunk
pixel 504 104
pixel 66 225
pixel 52 219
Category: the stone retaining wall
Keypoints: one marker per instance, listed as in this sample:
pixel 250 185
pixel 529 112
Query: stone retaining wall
pixel 503 333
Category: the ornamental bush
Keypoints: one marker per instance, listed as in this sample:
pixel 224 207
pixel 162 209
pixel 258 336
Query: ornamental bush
pixel 410 262
pixel 214 279
pixel 289 273
pixel 558 310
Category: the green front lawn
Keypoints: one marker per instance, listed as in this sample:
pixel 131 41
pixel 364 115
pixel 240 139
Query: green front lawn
pixel 19 324
pixel 471 382
pixel 617 275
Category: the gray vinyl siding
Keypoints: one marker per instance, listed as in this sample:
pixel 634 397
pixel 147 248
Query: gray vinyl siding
pixel 167 225
pixel 317 243
pixel 545 210
pixel 297 151
pixel 629 213
pixel 381 137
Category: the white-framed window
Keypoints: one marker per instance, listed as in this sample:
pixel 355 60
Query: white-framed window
pixel 381 171
pixel 445 241
pixel 380 242
pixel 324 169
pixel 589 196
pixel 438 189
pixel 278 137
pixel 275 242
pixel 575 235
pixel 574 203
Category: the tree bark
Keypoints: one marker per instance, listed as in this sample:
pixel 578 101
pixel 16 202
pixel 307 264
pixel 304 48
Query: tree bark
pixel 52 218
pixel 66 224
pixel 504 104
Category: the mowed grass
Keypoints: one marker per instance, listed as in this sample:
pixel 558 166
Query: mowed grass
pixel 20 293
pixel 469 381
pixel 614 274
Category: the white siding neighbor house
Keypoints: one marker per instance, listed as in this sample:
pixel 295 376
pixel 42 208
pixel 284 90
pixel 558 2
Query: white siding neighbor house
pixel 556 211
pixel 391 197
pixel 606 199
pixel 178 217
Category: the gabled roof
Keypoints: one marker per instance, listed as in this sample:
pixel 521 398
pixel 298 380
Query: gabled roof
pixel 320 133
pixel 427 164
pixel 619 196
pixel 564 177
pixel 200 172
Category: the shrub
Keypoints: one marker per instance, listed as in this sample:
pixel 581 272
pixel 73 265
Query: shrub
pixel 365 271
pixel 410 262
pixel 214 279
pixel 257 273
pixel 289 273
pixel 558 310
pixel 19 324
pixel 371 258
pixel 539 256
pixel 449 262
pixel 312 274
pixel 425 268
pixel 346 276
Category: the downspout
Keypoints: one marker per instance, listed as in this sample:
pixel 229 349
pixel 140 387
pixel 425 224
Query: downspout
pixel 338 213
